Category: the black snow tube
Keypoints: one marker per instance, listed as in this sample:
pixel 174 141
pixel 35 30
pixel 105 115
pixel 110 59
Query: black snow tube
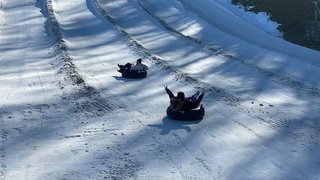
pixel 134 74
pixel 194 114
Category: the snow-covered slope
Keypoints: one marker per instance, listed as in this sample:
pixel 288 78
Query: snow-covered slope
pixel 66 113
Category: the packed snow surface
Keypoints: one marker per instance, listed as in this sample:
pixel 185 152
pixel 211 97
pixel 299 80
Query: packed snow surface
pixel 66 113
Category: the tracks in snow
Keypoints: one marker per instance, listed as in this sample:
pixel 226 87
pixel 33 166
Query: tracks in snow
pixel 164 65
pixel 88 98
pixel 262 112
pixel 3 139
pixel 280 79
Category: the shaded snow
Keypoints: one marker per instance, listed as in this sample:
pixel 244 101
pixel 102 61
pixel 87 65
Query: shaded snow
pixel 66 113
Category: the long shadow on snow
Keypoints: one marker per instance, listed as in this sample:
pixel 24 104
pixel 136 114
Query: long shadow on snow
pixel 227 69
pixel 283 155
pixel 278 78
pixel 163 145
pixel 223 69
pixel 274 139
pixel 169 125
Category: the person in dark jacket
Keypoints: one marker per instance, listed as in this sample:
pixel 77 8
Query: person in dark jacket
pixel 181 103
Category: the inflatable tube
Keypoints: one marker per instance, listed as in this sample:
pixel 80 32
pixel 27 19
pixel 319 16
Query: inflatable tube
pixel 134 74
pixel 195 114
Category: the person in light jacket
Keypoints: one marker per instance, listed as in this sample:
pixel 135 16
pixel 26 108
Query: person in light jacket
pixel 139 66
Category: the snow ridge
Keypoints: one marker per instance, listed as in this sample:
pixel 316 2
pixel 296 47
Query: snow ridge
pixel 214 94
pixel 89 98
pixel 280 79
pixel 69 67
pixel 165 66
pixel 95 124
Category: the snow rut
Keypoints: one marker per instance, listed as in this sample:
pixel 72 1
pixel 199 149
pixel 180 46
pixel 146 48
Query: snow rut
pixel 284 80
pixel 87 97
pixel 69 67
pixel 215 94
pixel 218 93
pixel 261 111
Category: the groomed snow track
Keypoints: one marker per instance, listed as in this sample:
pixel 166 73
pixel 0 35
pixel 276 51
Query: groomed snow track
pixel 260 121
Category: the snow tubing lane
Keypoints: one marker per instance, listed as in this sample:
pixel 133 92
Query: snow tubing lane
pixel 134 74
pixel 195 114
